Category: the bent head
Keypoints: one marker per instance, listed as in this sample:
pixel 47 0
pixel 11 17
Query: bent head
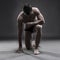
pixel 27 9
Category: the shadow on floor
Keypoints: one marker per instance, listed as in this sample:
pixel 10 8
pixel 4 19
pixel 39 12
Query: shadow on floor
pixel 50 53
pixel 13 54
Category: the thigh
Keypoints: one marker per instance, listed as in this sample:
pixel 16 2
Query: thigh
pixel 27 35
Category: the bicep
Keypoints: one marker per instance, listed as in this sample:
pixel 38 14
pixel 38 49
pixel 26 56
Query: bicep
pixel 20 22
pixel 40 16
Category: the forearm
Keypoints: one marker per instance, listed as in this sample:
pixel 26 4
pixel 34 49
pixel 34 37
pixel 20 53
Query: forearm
pixel 20 38
pixel 20 28
pixel 35 22
pixel 20 33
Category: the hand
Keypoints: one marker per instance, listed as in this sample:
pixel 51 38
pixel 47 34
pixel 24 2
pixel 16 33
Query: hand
pixel 19 50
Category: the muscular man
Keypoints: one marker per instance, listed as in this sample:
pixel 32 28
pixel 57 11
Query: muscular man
pixel 33 19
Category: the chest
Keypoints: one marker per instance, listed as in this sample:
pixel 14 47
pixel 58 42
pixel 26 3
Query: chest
pixel 29 18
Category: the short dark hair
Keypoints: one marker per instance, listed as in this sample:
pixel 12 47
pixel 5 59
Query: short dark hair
pixel 27 9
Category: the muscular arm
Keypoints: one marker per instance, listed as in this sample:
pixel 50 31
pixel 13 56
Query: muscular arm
pixel 20 28
pixel 34 23
pixel 40 19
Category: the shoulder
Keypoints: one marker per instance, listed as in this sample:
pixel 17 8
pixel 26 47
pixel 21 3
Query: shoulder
pixel 35 9
pixel 20 16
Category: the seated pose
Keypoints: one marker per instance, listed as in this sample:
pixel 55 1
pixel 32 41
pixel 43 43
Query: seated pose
pixel 33 19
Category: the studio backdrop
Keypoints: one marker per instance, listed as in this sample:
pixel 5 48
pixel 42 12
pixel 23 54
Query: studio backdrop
pixel 9 10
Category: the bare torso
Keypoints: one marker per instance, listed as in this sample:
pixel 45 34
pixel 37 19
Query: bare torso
pixel 32 17
pixel 29 18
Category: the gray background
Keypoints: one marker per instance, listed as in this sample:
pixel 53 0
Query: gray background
pixel 9 10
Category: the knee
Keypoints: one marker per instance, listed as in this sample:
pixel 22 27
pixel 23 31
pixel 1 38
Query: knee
pixel 38 27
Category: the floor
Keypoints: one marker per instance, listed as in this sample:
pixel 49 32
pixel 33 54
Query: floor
pixel 50 50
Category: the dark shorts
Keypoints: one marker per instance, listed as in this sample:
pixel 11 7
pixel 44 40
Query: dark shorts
pixel 30 29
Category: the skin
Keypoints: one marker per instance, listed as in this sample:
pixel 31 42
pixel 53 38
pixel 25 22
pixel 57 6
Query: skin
pixel 35 18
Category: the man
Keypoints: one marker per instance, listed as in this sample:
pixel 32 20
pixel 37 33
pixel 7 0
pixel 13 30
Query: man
pixel 33 19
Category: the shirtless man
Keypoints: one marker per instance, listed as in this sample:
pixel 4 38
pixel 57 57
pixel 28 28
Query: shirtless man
pixel 33 19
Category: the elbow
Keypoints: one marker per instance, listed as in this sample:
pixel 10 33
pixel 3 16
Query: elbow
pixel 42 22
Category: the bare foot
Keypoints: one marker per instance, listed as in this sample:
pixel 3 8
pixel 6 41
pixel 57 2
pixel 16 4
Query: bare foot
pixel 19 50
pixel 36 52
